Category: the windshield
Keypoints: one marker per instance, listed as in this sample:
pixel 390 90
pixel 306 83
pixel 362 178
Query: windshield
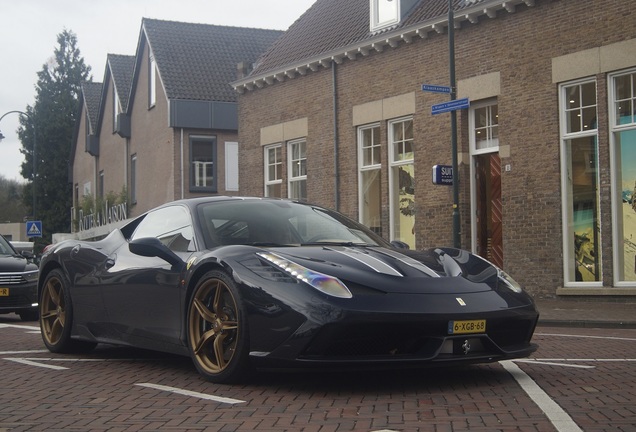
pixel 279 222
pixel 5 247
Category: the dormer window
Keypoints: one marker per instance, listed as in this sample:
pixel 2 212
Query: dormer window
pixel 384 13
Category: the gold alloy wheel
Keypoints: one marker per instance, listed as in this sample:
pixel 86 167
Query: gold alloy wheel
pixel 53 310
pixel 213 328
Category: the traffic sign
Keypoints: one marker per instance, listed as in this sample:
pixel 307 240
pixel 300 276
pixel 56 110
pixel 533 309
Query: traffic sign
pixel 34 228
pixel 443 175
pixel 453 105
pixel 435 88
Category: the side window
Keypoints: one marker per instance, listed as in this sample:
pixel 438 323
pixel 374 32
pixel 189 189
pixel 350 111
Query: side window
pixel 171 225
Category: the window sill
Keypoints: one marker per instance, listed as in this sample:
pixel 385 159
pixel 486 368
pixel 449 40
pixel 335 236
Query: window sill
pixel 596 291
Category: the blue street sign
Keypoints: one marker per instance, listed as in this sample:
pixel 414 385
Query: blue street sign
pixel 435 88
pixel 453 105
pixel 443 175
pixel 34 228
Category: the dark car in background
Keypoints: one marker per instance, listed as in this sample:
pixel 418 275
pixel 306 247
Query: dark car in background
pixel 18 282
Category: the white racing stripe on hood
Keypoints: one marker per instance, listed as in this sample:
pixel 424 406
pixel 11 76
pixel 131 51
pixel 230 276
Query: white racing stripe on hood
pixel 411 262
pixel 369 261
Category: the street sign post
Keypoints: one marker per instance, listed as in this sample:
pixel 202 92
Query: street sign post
pixel 34 228
pixel 443 175
pixel 435 88
pixel 453 105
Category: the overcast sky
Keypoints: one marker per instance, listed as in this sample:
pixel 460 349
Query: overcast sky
pixel 29 29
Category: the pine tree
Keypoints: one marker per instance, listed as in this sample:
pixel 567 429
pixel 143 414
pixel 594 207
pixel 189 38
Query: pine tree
pixel 53 117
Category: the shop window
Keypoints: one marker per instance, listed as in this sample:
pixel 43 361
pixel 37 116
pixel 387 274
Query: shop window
pixel 580 178
pixel 369 162
pixel 402 181
pixel 623 101
pixel 274 171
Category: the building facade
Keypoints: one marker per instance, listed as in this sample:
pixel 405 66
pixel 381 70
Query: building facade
pixel 163 124
pixel 334 113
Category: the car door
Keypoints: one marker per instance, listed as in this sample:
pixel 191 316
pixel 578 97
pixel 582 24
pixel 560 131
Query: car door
pixel 143 294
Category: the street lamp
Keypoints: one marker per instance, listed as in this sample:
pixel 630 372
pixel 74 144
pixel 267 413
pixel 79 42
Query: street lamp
pixel 451 54
pixel 34 147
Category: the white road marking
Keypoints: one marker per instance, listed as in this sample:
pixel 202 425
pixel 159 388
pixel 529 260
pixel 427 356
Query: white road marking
pixel 582 360
pixel 555 364
pixel 32 363
pixel 586 336
pixel 557 416
pixel 190 393
pixel 22 352
pixel 20 327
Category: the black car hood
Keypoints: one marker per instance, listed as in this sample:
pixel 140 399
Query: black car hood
pixel 392 270
pixel 15 264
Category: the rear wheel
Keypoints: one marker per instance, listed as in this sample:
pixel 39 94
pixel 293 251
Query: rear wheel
pixel 56 316
pixel 217 330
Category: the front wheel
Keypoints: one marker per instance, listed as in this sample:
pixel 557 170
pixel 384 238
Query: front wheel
pixel 217 330
pixel 56 316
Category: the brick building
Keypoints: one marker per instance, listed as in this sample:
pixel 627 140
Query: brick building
pixel 334 113
pixel 163 123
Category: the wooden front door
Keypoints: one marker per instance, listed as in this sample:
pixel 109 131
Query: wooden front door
pixel 489 211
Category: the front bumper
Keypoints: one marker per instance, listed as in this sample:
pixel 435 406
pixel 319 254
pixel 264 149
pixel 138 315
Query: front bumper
pixel 19 297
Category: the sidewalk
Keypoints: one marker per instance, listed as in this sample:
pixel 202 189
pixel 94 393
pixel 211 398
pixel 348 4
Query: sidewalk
pixel 584 313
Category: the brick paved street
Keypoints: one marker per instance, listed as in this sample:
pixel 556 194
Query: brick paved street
pixel 115 389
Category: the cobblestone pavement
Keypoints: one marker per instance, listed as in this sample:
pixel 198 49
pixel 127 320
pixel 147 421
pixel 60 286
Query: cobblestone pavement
pixel 589 373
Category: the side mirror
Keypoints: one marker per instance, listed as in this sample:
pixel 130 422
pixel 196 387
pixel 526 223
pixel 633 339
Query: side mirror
pixel 399 244
pixel 27 254
pixel 152 247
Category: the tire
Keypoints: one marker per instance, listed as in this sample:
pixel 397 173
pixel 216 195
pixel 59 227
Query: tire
pixel 217 330
pixel 29 315
pixel 56 316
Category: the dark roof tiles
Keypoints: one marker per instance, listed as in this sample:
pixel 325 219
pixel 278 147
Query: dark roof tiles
pixel 92 98
pixel 122 68
pixel 198 61
pixel 329 25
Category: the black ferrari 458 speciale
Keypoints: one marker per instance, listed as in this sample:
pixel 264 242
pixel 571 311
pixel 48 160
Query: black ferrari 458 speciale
pixel 246 283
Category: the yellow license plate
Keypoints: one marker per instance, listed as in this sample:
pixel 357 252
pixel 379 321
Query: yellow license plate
pixel 4 292
pixel 470 326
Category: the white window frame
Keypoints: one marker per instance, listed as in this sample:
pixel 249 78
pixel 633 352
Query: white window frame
pixel 364 168
pixel 116 107
pixel 152 80
pixel 472 126
pixel 566 202
pixel 231 166
pixel 198 176
pixel 616 186
pixel 290 161
pixel 267 181
pixel 378 8
pixel 394 164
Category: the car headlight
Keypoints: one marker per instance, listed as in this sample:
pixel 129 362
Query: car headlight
pixel 509 281
pixel 30 276
pixel 324 283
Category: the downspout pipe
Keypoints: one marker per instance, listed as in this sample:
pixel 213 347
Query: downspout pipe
pixel 181 173
pixel 336 143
